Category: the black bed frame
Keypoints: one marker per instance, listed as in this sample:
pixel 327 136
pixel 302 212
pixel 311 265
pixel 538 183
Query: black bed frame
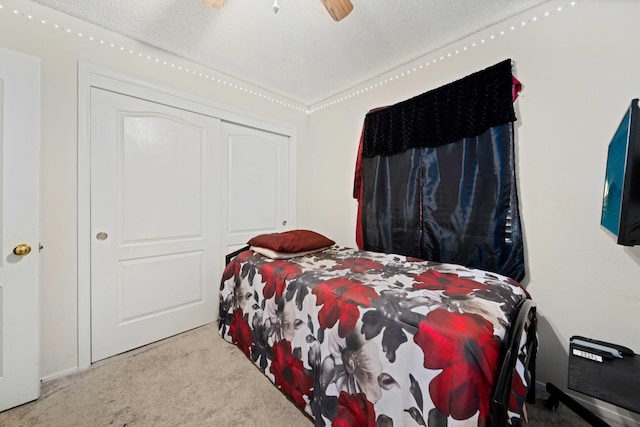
pixel 502 391
pixel 231 255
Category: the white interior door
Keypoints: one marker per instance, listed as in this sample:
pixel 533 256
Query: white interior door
pixel 19 287
pixel 258 180
pixel 155 252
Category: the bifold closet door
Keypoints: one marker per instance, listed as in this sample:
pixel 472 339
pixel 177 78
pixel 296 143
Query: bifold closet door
pixel 155 222
pixel 257 180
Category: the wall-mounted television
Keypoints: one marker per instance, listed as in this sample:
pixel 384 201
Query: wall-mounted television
pixel 621 200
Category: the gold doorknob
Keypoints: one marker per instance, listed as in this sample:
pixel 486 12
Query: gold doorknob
pixel 22 249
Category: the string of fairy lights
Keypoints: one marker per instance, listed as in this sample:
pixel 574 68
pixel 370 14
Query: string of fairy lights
pixel 209 75
pixel 432 60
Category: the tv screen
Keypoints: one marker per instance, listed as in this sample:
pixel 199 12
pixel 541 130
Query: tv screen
pixel 621 199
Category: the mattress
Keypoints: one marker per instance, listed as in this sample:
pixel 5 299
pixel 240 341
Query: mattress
pixel 363 338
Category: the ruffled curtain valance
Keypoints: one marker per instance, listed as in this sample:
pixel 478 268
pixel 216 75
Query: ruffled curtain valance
pixel 464 108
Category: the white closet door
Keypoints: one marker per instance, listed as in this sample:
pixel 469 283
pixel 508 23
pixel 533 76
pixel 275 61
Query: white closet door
pixel 258 180
pixel 19 228
pixel 155 252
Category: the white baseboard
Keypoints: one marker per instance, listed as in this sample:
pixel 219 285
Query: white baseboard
pixel 602 409
pixel 59 374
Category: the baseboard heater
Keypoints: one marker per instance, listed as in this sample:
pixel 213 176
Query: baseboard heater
pixel 603 370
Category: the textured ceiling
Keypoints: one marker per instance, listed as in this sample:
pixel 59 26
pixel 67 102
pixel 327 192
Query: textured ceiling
pixel 300 52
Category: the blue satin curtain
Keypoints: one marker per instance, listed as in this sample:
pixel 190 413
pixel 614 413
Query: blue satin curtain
pixel 453 202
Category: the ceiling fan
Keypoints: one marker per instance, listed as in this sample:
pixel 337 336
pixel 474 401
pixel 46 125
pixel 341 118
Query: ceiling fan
pixel 338 9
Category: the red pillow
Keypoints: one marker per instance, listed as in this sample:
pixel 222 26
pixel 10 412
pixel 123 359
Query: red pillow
pixel 291 241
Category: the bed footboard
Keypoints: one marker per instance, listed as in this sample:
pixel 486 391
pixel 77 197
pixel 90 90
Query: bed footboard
pixel 228 257
pixel 520 348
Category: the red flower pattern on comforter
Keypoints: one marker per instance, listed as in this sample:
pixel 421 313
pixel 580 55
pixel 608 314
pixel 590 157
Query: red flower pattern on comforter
pixel 464 347
pixel 289 373
pixel 340 299
pixel 233 268
pixel 358 265
pixel 240 332
pixel 276 274
pixel 450 283
pixel 354 411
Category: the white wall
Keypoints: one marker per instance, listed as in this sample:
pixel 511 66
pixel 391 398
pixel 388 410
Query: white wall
pixel 60 52
pixel 580 69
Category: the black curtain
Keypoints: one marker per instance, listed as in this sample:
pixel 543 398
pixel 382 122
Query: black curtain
pixel 438 176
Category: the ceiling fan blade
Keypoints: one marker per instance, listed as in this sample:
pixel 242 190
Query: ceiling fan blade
pixel 216 4
pixel 338 9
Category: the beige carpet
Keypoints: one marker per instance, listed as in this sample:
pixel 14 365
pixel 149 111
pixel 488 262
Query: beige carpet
pixel 193 379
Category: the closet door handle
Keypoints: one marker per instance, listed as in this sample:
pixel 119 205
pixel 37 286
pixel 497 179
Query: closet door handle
pixel 22 249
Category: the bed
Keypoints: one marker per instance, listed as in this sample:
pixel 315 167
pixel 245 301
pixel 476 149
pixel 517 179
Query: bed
pixel 358 338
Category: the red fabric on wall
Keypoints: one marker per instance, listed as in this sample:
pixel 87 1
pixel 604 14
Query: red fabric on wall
pixel 357 188
pixel 515 88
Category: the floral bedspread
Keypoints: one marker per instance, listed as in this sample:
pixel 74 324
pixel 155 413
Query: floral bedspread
pixel 359 338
